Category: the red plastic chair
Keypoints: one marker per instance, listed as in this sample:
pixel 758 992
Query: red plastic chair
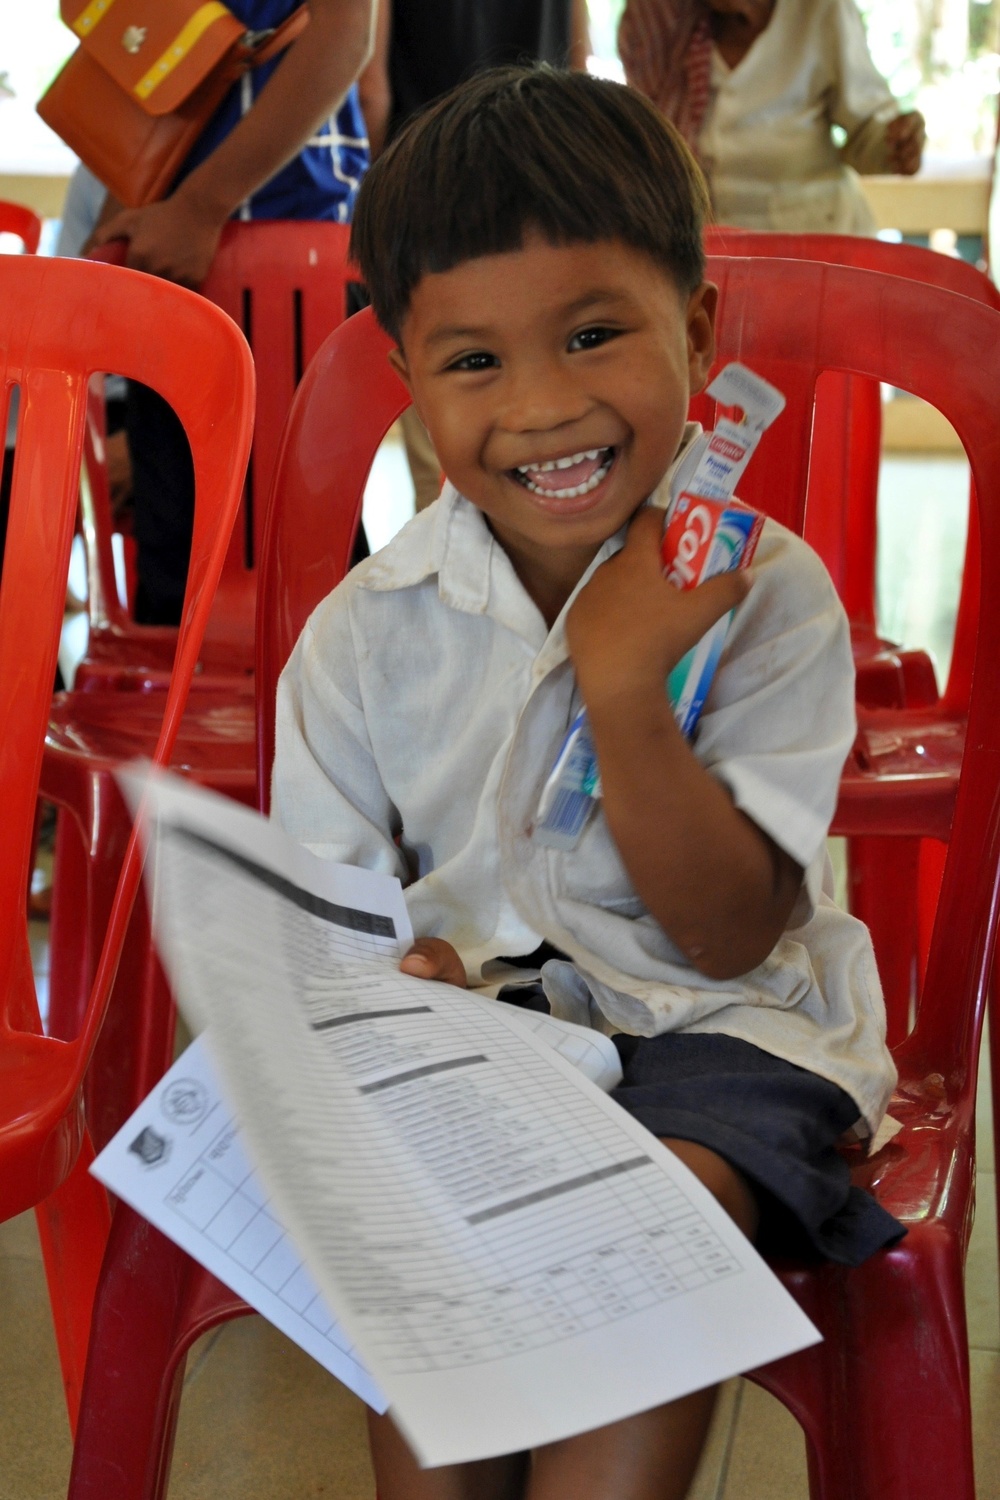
pixel 893 884
pixel 884 1400
pixel 284 282
pixel 59 322
pixel 16 218
pixel 846 452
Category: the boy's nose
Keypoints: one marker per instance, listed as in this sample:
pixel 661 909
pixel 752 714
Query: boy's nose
pixel 541 398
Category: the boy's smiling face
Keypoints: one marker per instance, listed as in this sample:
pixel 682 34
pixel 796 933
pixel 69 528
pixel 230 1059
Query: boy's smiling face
pixel 554 381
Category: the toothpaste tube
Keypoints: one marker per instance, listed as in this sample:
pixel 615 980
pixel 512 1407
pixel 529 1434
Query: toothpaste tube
pixel 707 532
pixel 704 537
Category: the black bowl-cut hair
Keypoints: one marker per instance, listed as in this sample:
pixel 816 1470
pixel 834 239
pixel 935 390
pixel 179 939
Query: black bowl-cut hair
pixel 518 150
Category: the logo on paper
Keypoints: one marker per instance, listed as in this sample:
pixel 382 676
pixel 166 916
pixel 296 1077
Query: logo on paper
pixel 133 38
pixel 185 1101
pixel 151 1148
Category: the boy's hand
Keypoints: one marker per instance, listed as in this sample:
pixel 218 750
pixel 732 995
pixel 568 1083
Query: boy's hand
pixel 904 138
pixel 433 958
pixel 629 627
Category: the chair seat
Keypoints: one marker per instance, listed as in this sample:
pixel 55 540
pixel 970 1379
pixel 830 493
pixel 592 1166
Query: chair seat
pixel 38 1103
pixel 889 676
pixel 901 777
pixel 215 745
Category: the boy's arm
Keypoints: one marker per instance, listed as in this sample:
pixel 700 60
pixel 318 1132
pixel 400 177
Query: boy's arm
pixel 720 887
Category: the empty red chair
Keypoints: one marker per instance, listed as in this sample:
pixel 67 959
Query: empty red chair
pixel 284 282
pixel 904 770
pixel 884 1400
pixel 60 321
pixel 16 218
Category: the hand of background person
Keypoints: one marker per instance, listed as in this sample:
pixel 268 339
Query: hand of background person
pixel 628 627
pixel 176 239
pixel 433 958
pixel 904 138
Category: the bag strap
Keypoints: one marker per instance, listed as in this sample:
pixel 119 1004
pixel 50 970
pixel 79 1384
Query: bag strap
pixel 261 46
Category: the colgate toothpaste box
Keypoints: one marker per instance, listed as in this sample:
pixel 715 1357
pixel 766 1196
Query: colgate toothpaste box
pixel 704 537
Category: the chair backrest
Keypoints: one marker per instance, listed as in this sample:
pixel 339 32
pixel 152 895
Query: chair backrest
pixel 16 218
pixel 61 321
pixel 791 321
pixel 347 402
pixel 841 511
pixel 284 283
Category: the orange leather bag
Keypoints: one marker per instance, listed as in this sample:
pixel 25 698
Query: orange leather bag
pixel 144 82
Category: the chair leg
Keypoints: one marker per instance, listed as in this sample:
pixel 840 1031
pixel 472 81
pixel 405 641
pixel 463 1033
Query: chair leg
pixel 894 1419
pixel 73 1225
pixel 883 881
pixel 135 1047
pixel 152 1303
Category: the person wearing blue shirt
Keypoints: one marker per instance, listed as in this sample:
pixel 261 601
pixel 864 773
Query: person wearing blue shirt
pixel 287 142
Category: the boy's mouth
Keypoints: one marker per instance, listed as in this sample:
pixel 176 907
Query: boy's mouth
pixel 566 478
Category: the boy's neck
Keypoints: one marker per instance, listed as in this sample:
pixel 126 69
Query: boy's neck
pixel 548 578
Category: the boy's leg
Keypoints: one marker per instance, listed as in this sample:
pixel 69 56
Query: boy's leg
pixel 399 1477
pixel 652 1456
pixel 649 1457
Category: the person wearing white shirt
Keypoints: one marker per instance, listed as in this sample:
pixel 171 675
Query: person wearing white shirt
pixel 552 318
pixel 756 86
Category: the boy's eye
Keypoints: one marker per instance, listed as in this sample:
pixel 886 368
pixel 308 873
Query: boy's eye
pixel 592 338
pixel 477 360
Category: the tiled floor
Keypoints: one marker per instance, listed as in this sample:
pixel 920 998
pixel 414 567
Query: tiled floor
pixel 260 1420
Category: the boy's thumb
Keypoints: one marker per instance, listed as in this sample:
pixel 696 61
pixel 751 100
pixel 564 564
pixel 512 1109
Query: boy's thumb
pixel 715 598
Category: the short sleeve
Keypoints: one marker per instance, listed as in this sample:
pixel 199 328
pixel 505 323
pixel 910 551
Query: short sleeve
pixel 779 719
pixel 325 787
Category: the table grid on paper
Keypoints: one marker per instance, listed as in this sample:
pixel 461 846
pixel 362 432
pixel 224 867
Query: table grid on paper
pixel 220 1196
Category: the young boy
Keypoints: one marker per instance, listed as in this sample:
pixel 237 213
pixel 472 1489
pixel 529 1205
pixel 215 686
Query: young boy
pixel 533 243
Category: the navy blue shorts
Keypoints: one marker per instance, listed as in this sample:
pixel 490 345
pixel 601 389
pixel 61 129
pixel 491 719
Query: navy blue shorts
pixel 777 1124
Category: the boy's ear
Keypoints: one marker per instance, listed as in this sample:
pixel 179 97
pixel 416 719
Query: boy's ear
pixel 701 309
pixel 398 361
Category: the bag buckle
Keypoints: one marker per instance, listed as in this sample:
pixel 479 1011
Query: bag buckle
pixel 252 39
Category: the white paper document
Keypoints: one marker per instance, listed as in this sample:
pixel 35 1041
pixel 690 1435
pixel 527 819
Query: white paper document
pixel 512 1256
pixel 180 1162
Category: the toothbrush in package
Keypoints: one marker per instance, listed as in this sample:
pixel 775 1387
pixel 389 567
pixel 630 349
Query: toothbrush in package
pixel 707 531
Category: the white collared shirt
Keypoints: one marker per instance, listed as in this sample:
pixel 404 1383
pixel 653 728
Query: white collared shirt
pixel 420 714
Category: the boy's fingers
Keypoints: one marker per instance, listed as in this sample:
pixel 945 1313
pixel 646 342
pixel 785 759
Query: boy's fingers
pixel 645 530
pixel 713 599
pixel 433 958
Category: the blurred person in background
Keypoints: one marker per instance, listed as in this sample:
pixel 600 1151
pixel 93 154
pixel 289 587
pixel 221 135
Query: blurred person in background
pixel 756 87
pixel 287 142
pixel 423 48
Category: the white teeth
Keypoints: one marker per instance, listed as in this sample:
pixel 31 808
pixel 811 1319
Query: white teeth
pixel 569 494
pixel 559 463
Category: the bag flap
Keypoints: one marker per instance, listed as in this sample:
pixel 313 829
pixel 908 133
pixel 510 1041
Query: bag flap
pixel 157 51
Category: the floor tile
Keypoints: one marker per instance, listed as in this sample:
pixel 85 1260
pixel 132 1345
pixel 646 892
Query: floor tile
pixel 19 1239
pixel 985 1370
pixel 710 1479
pixel 34 1431
pixel 768 1458
pixel 984 1109
pixel 260 1419
pixel 981 1271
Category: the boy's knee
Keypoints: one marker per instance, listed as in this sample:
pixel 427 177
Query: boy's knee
pixel 724 1182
